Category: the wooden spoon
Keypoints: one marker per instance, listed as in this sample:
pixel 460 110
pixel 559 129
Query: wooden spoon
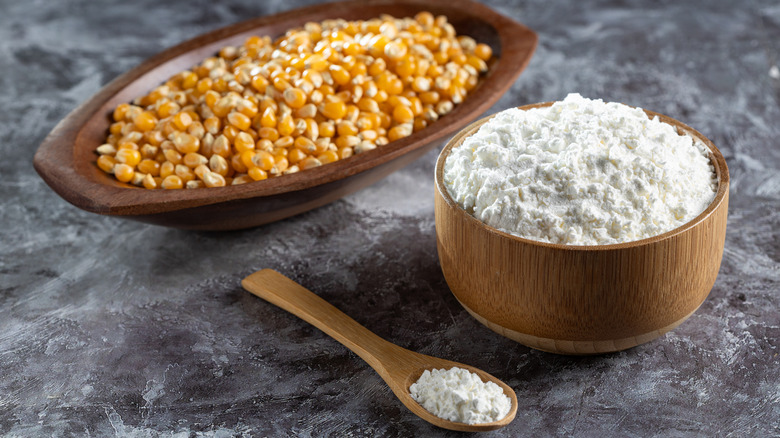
pixel 398 366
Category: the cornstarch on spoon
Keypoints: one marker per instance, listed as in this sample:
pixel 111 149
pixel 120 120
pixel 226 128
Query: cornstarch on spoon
pixel 580 172
pixel 459 395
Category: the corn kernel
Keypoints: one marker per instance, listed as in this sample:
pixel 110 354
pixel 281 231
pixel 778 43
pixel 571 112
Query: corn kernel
pixel 106 163
pixel 123 172
pixel 316 95
pixel 172 182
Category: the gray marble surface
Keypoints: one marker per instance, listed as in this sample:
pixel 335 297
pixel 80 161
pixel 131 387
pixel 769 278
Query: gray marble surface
pixel 110 327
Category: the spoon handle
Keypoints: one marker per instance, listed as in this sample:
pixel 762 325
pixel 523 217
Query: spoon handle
pixel 294 298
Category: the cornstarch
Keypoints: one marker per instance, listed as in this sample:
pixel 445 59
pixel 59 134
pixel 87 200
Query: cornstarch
pixel 459 395
pixel 580 172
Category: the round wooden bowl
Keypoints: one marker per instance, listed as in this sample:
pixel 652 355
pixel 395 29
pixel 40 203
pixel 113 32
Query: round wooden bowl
pixel 66 158
pixel 580 299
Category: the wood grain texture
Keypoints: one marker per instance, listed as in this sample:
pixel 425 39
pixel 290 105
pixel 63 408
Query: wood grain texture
pixel 66 158
pixel 580 299
pixel 398 366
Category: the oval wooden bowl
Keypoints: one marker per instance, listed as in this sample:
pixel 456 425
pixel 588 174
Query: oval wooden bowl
pixel 580 299
pixel 66 158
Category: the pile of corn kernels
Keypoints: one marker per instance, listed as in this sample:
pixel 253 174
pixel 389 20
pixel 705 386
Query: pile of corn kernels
pixel 314 96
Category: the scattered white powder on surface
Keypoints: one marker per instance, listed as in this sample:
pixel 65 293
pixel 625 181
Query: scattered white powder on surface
pixel 581 172
pixel 459 395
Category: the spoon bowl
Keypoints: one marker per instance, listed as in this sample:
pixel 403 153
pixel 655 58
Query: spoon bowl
pixel 66 158
pixel 399 367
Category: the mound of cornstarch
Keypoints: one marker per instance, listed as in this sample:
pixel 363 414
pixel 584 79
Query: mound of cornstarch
pixel 459 395
pixel 581 172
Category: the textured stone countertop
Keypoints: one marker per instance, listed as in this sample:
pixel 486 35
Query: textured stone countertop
pixel 111 327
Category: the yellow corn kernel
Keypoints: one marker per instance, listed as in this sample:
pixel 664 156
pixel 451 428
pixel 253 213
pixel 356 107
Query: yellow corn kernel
pixel 309 162
pixel 334 110
pixel 172 155
pixel 339 74
pixel 402 114
pixel 239 120
pixel 305 145
pixel 368 105
pixel 106 149
pixel 364 123
pixel 326 129
pixel 212 125
pixel 364 146
pixel 294 97
pixel 172 182
pixel 167 168
pixel 149 167
pixel 236 164
pixel 419 123
pixel 154 137
pixel 263 160
pixel 312 131
pixel 247 107
pixel 377 67
pixel 123 172
pixel 345 152
pixel 421 84
pixel 203 86
pixel 368 134
pixel 184 172
pixel 121 111
pixel 280 165
pixel 268 119
pixel 106 163
pixel 270 134
pixel 399 131
pixel 193 160
pixel 149 182
pixel 296 155
pixel 182 120
pixel 347 141
pixel 429 97
pixel 167 109
pixel 425 19
pixel 219 165
pixel 145 121
pixel 285 126
pixel 405 67
pixel 283 143
pixel 483 51
pixel 117 128
pixel 346 128
pixel 241 179
pixel 211 179
pixel 221 146
pixel 257 174
pixel 185 143
pixel 328 157
pixel 230 132
pixel 317 63
pixel 246 158
pixel 259 83
pixel 243 142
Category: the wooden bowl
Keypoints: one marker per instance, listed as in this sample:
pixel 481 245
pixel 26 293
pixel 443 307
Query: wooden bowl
pixel 66 158
pixel 580 299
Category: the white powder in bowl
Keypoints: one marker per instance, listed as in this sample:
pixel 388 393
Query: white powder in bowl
pixel 459 395
pixel 581 172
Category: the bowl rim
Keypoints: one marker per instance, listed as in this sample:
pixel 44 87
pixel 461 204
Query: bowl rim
pixel 716 158
pixel 57 159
